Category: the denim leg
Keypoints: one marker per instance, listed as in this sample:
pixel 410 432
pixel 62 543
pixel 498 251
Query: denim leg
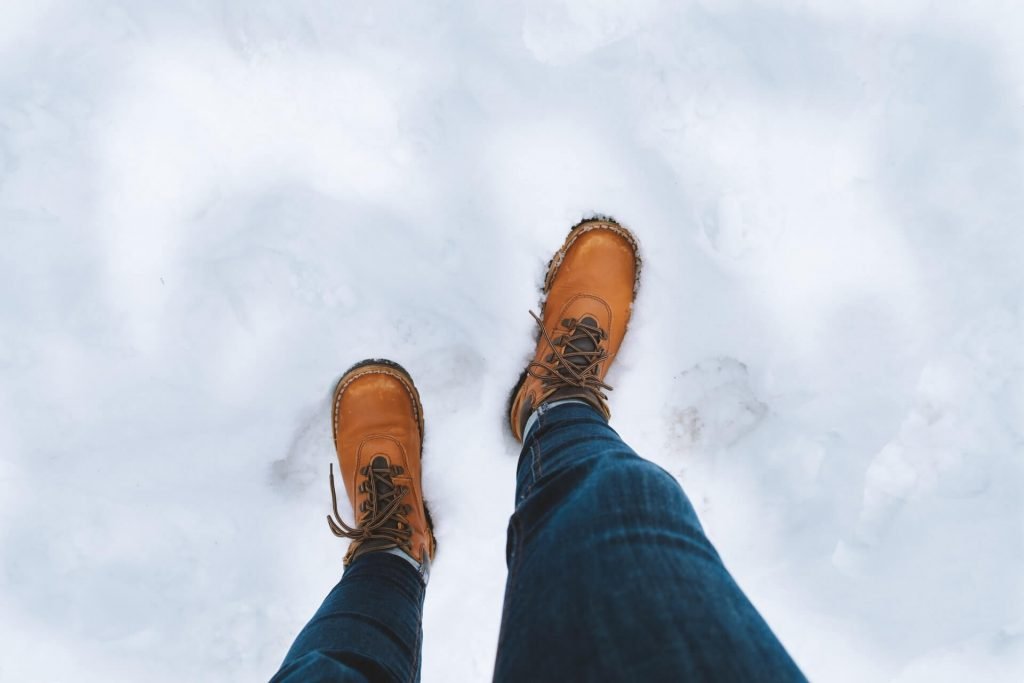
pixel 611 577
pixel 368 628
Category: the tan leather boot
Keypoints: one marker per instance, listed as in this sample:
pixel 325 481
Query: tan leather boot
pixel 378 434
pixel 589 291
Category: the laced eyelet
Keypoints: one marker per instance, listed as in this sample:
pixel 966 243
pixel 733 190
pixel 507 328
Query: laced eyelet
pixel 575 358
pixel 381 513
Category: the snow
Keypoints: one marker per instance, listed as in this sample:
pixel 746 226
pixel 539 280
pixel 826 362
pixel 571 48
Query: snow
pixel 210 210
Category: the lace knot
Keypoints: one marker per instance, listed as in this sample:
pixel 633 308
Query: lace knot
pixel 383 523
pixel 577 353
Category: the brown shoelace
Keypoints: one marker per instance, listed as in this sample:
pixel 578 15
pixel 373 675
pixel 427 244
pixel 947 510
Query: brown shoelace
pixel 575 358
pixel 383 517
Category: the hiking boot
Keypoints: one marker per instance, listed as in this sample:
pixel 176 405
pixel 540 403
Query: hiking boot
pixel 589 291
pixel 378 434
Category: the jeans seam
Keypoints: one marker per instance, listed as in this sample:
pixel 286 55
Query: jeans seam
pixel 517 551
pixel 537 450
pixel 415 671
pixel 535 466
pixel 535 469
pixel 513 571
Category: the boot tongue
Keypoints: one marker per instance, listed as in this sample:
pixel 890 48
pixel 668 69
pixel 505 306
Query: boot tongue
pixel 385 488
pixel 380 465
pixel 385 485
pixel 583 342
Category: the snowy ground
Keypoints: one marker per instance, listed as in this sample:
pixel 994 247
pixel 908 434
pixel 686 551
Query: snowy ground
pixel 210 210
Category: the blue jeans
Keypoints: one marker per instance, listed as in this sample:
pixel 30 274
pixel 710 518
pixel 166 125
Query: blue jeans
pixel 610 578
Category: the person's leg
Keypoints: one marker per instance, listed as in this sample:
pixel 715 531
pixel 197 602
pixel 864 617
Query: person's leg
pixel 610 574
pixel 611 577
pixel 369 626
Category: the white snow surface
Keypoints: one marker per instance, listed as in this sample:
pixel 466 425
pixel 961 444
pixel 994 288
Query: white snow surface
pixel 209 210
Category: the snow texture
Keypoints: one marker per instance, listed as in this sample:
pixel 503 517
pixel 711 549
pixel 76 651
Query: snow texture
pixel 209 210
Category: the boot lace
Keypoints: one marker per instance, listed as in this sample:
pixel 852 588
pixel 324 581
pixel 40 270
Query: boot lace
pixel 576 356
pixel 383 515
